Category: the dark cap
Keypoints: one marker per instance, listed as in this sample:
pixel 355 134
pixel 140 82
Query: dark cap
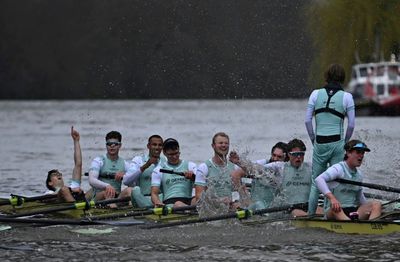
pixel 356 145
pixel 170 143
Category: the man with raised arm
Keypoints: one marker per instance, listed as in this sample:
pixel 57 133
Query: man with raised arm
pixel 262 191
pixel 106 172
pixel 55 182
pixel 345 199
pixel 176 181
pixel 138 176
pixel 330 104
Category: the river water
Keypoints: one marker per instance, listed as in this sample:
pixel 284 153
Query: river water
pixel 35 138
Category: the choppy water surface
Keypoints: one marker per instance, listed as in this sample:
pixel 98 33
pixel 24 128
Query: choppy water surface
pixel 35 138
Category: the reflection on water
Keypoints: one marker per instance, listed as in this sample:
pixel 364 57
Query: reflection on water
pixel 35 139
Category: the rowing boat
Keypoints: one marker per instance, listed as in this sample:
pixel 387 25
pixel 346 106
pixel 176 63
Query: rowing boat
pixel 386 224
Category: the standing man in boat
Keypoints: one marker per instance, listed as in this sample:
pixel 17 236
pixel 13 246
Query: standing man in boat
pixel 343 199
pixel 106 172
pixel 138 176
pixel 216 173
pixel 177 188
pixel 55 182
pixel 330 104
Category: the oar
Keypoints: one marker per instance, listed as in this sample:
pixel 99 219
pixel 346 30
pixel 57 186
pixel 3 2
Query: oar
pixel 16 200
pixel 164 211
pixel 68 221
pixel 108 175
pixel 167 171
pixel 80 205
pixel 369 185
pixel 241 214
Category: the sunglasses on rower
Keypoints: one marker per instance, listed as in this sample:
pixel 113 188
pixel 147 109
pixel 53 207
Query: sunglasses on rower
pixel 113 143
pixel 297 153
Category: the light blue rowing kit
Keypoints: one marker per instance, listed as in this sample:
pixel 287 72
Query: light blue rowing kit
pixel 141 193
pixel 330 104
pixel 292 184
pixel 104 170
pixel 172 185
pixel 216 178
pixel 347 195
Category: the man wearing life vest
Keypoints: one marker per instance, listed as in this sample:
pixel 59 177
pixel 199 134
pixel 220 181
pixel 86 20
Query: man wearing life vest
pixel 331 104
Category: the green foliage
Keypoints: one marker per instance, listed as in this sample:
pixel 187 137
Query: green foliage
pixel 349 32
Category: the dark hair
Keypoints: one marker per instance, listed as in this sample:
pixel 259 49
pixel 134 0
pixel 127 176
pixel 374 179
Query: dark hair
pixel 296 143
pixel 154 136
pixel 355 145
pixel 335 74
pixel 284 147
pixel 170 144
pixel 115 135
pixel 49 178
pixel 219 134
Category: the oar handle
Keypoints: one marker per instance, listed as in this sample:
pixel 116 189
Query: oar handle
pixel 108 175
pixel 167 171
pixel 17 200
pixel 80 205
pixel 369 185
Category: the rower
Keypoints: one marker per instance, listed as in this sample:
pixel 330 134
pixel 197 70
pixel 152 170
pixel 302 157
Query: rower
pixel 106 172
pixel 291 180
pixel 177 189
pixel 215 174
pixel 55 182
pixel 343 200
pixel 138 176
pixel 330 105
pixel 262 192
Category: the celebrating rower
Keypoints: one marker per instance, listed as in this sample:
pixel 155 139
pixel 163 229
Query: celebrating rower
pixel 215 173
pixel 140 170
pixel 106 172
pixel 346 200
pixel 262 190
pixel 55 182
pixel 175 177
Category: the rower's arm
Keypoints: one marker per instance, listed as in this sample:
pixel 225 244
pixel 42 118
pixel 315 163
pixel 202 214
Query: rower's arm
pixel 351 115
pixel 94 172
pixel 77 171
pixel 200 182
pixel 309 115
pixel 155 187
pixel 155 191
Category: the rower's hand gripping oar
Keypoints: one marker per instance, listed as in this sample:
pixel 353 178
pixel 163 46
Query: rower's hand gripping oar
pixel 80 205
pixel 167 171
pixel 160 211
pixel 241 214
pixel 369 185
pixel 16 200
